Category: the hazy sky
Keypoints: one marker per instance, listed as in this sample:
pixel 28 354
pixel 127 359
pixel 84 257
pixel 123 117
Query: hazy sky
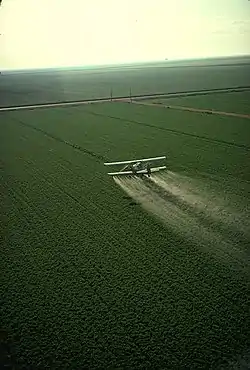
pixel 77 32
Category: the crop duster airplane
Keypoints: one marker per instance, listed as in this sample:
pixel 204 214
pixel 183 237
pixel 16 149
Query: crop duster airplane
pixel 137 166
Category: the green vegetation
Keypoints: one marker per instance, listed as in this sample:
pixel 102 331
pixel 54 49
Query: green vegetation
pixel 51 86
pixel 237 102
pixel 88 281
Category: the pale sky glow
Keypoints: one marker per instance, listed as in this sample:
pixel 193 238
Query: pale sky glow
pixel 78 32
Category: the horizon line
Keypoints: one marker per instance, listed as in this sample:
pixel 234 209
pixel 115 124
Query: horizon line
pixel 98 65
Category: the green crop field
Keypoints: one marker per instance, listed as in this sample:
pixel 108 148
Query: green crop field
pixel 236 102
pixel 125 274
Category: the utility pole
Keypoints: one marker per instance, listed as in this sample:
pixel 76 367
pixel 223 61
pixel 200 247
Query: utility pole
pixel 111 94
pixel 130 94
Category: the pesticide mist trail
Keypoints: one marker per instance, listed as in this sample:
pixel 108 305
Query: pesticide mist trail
pixel 205 199
pixel 194 212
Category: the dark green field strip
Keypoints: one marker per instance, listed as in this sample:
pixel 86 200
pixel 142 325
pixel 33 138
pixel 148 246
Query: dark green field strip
pixel 236 102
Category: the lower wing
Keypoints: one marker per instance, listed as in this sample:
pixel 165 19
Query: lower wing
pixel 121 173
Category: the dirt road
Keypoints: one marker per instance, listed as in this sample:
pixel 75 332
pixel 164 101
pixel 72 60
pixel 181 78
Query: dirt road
pixel 196 110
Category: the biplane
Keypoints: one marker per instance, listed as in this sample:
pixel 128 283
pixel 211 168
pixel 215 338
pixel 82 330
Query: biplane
pixel 137 166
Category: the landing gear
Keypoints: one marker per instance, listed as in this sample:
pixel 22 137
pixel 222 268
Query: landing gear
pixel 148 170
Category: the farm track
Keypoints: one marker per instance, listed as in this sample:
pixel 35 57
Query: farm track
pixel 124 98
pixel 195 110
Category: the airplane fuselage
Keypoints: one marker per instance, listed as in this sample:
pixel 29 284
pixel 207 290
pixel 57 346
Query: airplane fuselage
pixel 138 166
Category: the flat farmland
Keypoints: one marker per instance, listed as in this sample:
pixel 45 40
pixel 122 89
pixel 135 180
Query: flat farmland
pixel 235 102
pixel 130 273
pixel 46 86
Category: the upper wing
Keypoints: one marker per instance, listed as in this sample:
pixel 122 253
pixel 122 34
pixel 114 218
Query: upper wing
pixel 152 159
pixel 135 160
